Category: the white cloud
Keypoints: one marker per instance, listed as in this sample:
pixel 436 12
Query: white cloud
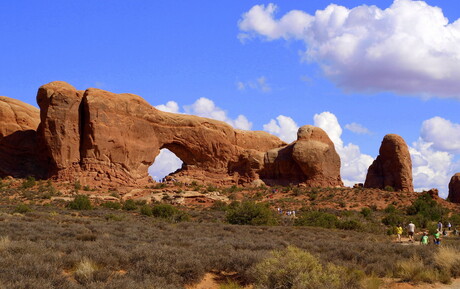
pixel 357 128
pixel 431 168
pixel 260 84
pixel 354 164
pixel 205 107
pixel 442 133
pixel 283 127
pixel 408 48
pixel 165 163
pixel 170 106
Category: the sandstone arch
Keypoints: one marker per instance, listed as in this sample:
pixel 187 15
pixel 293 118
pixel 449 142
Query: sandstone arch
pixel 106 138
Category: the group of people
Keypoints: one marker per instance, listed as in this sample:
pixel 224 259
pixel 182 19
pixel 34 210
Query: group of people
pixel 424 240
pixel 290 213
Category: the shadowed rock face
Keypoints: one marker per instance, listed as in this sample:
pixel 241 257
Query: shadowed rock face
pixel 454 188
pixel 105 138
pixel 18 139
pixel 393 166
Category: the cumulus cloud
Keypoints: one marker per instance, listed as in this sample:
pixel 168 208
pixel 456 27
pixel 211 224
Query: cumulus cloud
pixel 354 164
pixel 357 128
pixel 260 84
pixel 284 127
pixel 442 133
pixel 431 168
pixel 408 48
pixel 170 106
pixel 165 163
pixel 206 108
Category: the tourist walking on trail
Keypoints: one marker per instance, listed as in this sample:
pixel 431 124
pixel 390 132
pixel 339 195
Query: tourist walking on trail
pixel 437 238
pixel 439 226
pixel 411 231
pixel 424 239
pixel 399 231
pixel 449 226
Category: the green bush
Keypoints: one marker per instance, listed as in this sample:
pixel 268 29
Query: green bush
pixel 350 225
pixel 169 212
pixel 390 209
pixel 427 207
pixel 250 213
pixel 111 205
pixel 80 202
pixel 22 209
pixel 317 219
pixel 389 189
pixel 29 182
pixel 293 268
pixel 366 212
pixel 129 205
pixel 146 210
pixel 392 219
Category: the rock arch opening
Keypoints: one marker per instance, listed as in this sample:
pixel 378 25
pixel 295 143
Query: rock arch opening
pixel 165 163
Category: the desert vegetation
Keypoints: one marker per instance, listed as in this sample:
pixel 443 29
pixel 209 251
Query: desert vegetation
pixel 85 243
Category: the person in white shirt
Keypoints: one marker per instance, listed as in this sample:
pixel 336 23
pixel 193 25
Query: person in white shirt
pixel 411 231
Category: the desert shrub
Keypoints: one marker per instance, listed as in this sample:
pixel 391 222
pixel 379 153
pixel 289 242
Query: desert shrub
pixel 317 219
pixel 111 205
pixel 211 188
pixel 219 206
pixel 4 243
pixel 350 225
pixel 392 219
pixel 389 189
pixel 366 212
pixel 114 217
pixel 77 185
pixel 250 213
pixel 22 209
pixel 414 270
pixel 146 210
pixel 298 269
pixel 29 182
pixel 427 207
pixel 80 202
pixel 85 271
pixel 129 205
pixel 390 209
pixel 448 259
pixel 86 188
pixel 169 212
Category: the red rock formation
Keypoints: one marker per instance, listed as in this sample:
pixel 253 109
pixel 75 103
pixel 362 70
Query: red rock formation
pixel 311 160
pixel 100 137
pixel 18 142
pixel 454 188
pixel 393 166
pixel 59 130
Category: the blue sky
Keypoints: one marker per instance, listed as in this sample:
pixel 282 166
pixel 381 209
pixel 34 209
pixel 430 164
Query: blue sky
pixel 226 59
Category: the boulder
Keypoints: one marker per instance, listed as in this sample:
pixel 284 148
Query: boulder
pixel 392 167
pixel 454 188
pixel 310 160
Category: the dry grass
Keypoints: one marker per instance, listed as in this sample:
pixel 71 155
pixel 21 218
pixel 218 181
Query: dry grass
pixel 49 241
pixel 4 243
pixel 448 259
pixel 85 270
pixel 414 270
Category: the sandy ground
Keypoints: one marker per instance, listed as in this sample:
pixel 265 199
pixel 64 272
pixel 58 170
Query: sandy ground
pixel 212 281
